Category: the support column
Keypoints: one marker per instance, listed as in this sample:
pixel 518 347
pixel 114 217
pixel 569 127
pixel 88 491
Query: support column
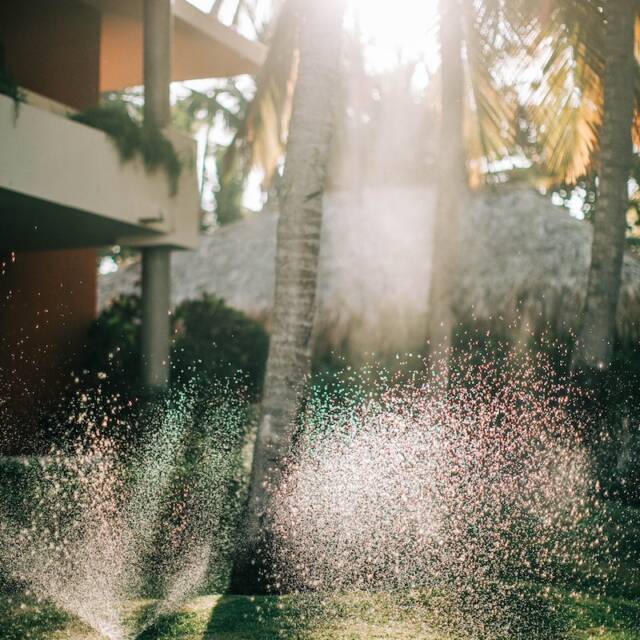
pixel 156 289
pixel 157 62
pixel 156 283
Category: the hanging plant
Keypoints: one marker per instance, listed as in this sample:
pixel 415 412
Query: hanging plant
pixel 9 87
pixel 131 138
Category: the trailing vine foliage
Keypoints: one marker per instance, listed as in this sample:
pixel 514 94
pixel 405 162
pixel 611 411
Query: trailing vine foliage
pixel 9 87
pixel 131 138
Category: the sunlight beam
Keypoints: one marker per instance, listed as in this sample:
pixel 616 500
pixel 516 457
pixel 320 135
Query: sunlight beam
pixel 396 32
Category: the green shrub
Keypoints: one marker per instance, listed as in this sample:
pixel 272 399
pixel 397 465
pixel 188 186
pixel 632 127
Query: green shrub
pixel 212 342
pixel 114 346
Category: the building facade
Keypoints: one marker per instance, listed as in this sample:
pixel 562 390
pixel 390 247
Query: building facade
pixel 64 190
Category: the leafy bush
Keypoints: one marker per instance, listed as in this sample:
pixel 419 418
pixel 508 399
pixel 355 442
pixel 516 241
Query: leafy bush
pixel 212 342
pixel 114 345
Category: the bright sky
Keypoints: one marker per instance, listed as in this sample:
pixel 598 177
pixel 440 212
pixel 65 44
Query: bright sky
pixel 393 32
pixel 203 5
pixel 396 31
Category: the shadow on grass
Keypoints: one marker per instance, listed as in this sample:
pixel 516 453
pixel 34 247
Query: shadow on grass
pixel 509 615
pixel 183 625
pixel 616 615
pixel 257 618
pixel 234 618
pixel 504 611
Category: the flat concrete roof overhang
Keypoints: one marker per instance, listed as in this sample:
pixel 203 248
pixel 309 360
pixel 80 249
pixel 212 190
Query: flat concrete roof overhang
pixel 36 224
pixel 203 47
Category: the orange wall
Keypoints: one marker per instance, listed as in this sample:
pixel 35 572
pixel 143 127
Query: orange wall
pixel 53 47
pixel 47 299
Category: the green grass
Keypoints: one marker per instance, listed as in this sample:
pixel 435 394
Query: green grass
pixel 22 618
pixel 345 617
pixel 392 616
pixel 610 618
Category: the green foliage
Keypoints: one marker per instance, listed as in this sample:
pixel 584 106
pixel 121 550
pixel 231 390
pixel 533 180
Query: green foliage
pixel 177 626
pixel 212 342
pixel 23 617
pixel 208 485
pixel 114 345
pixel 18 482
pixel 607 414
pixel 228 195
pixel 131 138
pixel 351 615
pixel 9 87
pixel 223 191
pixel 224 103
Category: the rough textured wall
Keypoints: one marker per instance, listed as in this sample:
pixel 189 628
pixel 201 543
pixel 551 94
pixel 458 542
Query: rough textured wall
pixel 523 261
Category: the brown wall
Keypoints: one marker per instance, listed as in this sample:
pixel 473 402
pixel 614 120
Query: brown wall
pixel 47 302
pixel 47 299
pixel 53 48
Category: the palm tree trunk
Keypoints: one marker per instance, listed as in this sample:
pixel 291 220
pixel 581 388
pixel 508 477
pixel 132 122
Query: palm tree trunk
pixel 594 347
pixel 452 185
pixel 298 246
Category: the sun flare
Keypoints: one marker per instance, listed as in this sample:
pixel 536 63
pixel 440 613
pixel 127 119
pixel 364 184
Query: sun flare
pixel 396 32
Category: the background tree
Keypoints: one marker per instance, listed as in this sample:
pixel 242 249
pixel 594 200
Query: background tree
pixel 582 109
pixel 594 347
pixel 298 245
pixel 452 182
pixel 478 125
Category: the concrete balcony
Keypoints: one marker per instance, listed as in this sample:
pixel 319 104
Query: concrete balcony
pixel 64 185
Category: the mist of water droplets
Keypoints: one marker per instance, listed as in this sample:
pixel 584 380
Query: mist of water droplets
pixel 474 491
pixel 100 520
pixel 456 500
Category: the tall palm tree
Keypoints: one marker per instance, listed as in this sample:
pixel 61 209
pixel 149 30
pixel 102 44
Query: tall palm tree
pixel 298 246
pixel 452 183
pixel 594 346
pixel 584 111
pixel 478 124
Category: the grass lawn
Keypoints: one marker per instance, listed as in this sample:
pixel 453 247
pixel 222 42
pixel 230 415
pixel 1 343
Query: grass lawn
pixel 407 616
pixel 346 617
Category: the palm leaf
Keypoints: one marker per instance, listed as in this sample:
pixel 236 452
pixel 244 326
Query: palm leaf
pixel 261 136
pixel 565 106
pixel 490 126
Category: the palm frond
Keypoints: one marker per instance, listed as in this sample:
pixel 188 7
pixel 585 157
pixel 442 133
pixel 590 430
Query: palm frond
pixel 261 136
pixel 565 105
pixel 490 126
